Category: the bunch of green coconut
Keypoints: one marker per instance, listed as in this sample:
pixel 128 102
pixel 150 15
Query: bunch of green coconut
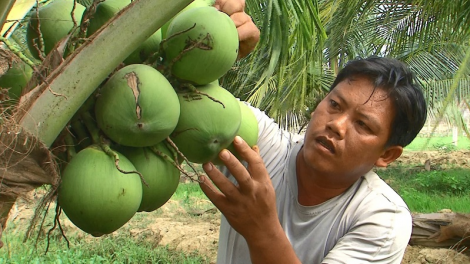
pixel 161 107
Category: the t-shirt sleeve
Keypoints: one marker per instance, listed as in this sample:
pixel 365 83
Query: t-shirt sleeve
pixel 378 236
pixel 274 143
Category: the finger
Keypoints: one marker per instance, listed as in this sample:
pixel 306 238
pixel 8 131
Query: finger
pixel 247 45
pixel 255 148
pixel 248 33
pixel 230 7
pixel 256 165
pixel 221 182
pixel 237 169
pixel 240 18
pixel 214 195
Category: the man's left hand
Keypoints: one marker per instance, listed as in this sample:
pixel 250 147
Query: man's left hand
pixel 249 206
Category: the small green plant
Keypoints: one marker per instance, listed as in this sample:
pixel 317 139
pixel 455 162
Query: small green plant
pixel 438 143
pixel 450 182
pixel 430 191
pixel 120 248
pixel 444 147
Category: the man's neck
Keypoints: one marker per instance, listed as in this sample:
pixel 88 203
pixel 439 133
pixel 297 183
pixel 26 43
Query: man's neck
pixel 313 188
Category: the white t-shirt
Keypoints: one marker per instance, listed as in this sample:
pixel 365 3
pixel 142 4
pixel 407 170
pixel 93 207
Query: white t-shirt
pixel 369 223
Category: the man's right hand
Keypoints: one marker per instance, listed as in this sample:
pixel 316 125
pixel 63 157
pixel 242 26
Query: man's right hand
pixel 248 32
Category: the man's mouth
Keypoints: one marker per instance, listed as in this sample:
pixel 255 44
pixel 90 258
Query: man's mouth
pixel 326 144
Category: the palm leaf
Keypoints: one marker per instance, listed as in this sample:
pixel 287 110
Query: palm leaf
pixel 277 76
pixel 285 76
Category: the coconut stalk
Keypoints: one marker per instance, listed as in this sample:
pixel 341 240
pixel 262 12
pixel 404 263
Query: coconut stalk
pixel 50 106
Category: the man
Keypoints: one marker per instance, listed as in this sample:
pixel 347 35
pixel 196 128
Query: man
pixel 315 198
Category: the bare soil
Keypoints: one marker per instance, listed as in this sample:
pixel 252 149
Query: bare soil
pixel 189 231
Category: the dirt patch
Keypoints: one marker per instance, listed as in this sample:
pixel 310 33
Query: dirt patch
pixel 435 159
pixel 422 255
pixel 190 231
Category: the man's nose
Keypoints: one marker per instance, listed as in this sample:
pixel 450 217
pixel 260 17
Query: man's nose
pixel 338 125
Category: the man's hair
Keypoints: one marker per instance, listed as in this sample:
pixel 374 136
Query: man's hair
pixel 399 81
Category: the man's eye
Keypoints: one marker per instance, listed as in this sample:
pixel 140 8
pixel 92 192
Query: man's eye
pixel 333 103
pixel 363 125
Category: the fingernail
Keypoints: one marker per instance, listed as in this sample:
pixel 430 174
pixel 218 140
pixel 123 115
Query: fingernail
pixel 255 148
pixel 237 140
pixel 201 178
pixel 207 167
pixel 224 154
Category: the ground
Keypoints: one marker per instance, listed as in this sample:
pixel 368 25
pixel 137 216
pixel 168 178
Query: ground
pixel 189 230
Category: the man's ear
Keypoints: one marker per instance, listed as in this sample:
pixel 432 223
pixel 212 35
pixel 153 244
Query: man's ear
pixel 390 154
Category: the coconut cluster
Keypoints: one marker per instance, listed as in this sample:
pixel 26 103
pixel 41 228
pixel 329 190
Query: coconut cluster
pixel 161 107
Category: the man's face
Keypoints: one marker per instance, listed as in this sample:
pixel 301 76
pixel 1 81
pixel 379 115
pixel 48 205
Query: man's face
pixel 348 130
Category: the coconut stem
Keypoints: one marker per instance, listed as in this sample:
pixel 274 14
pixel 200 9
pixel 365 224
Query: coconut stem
pixel 193 89
pixel 107 149
pixel 90 124
pixel 173 145
pixel 89 12
pixel 39 47
pixel 81 133
pixel 17 52
pixel 170 160
pixel 70 145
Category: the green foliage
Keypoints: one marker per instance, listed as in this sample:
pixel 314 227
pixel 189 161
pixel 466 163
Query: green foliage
pixel 445 147
pixel 430 191
pixel 438 143
pixel 448 182
pixel 431 203
pixel 120 248
pixel 286 75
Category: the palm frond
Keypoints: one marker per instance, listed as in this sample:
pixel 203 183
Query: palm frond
pixel 277 77
pixel 304 44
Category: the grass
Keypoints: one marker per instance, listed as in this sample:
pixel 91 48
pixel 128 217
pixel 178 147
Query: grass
pixel 438 143
pixel 431 191
pixel 118 247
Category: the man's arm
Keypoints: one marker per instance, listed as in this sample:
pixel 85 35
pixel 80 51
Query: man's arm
pixel 248 33
pixel 250 206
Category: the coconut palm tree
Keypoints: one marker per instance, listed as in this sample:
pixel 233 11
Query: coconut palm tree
pixel 304 44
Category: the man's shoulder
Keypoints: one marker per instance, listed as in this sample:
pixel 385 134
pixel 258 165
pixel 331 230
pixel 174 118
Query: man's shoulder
pixel 380 193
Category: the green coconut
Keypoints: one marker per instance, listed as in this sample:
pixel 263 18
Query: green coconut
pixel 202 45
pixel 205 126
pixel 14 77
pixel 107 10
pixel 55 21
pixel 161 176
pixel 249 125
pixel 137 107
pixel 95 195
pixel 248 130
pixel 104 12
pixel 147 50
pixel 194 4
